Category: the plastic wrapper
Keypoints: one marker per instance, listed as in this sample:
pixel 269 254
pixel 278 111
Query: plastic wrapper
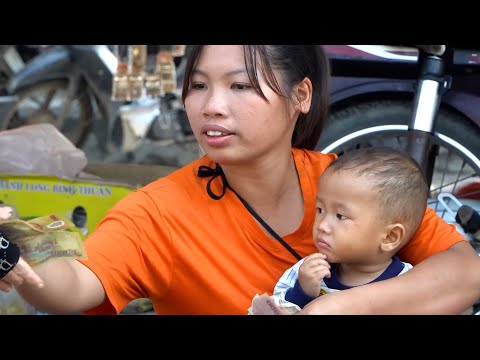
pixel 39 149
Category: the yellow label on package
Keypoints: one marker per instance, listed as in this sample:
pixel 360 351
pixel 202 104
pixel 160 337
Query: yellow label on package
pixel 84 201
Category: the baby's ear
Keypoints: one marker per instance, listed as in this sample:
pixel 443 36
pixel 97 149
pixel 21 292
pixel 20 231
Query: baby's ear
pixel 394 235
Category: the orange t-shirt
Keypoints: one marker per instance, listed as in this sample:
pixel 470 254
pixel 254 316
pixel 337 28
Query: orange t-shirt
pixel 191 254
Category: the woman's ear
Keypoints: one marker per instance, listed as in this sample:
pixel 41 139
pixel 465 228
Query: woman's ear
pixel 304 96
pixel 393 239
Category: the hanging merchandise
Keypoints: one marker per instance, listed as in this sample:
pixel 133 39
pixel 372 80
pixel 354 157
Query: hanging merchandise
pixel 120 88
pixel 137 61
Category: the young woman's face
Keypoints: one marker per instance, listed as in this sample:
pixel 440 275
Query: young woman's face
pixel 348 227
pixel 232 123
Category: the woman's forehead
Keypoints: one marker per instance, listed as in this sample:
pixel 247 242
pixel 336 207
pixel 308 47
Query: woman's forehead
pixel 215 52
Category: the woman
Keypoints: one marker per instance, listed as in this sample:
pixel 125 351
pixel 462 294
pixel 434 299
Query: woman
pixel 208 237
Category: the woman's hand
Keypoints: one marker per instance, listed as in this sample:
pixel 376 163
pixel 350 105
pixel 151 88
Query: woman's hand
pixel 22 272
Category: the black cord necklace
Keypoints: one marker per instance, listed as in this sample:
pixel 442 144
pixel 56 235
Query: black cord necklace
pixel 205 171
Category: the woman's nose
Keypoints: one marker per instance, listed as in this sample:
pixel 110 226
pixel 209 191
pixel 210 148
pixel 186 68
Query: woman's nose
pixel 215 104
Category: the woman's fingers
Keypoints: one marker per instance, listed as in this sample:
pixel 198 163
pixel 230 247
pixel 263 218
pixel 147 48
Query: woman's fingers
pixel 24 271
pixel 13 279
pixel 5 286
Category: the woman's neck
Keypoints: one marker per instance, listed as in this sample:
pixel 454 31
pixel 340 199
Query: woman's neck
pixel 273 190
pixel 263 182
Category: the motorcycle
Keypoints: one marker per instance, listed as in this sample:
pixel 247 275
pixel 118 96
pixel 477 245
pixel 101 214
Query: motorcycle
pixel 70 86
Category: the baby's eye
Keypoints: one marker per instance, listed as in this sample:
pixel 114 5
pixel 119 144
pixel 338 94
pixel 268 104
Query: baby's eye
pixel 237 86
pixel 341 217
pixel 319 210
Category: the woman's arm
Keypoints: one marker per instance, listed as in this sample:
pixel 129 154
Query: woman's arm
pixel 69 287
pixel 445 283
pixel 61 286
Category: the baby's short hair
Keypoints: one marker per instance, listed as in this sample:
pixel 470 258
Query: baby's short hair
pixel 395 175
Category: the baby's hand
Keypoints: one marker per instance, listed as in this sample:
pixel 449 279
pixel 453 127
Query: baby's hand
pixel 311 273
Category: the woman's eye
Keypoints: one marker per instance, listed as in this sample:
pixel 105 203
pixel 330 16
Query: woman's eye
pixel 341 217
pixel 319 210
pixel 197 86
pixel 241 86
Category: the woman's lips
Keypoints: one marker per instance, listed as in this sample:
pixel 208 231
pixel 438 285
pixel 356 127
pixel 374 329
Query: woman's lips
pixel 217 141
pixel 215 135
pixel 215 128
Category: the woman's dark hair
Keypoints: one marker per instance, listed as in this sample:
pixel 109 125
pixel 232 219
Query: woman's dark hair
pixel 294 63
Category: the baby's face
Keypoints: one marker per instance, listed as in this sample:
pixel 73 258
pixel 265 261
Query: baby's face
pixel 347 227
